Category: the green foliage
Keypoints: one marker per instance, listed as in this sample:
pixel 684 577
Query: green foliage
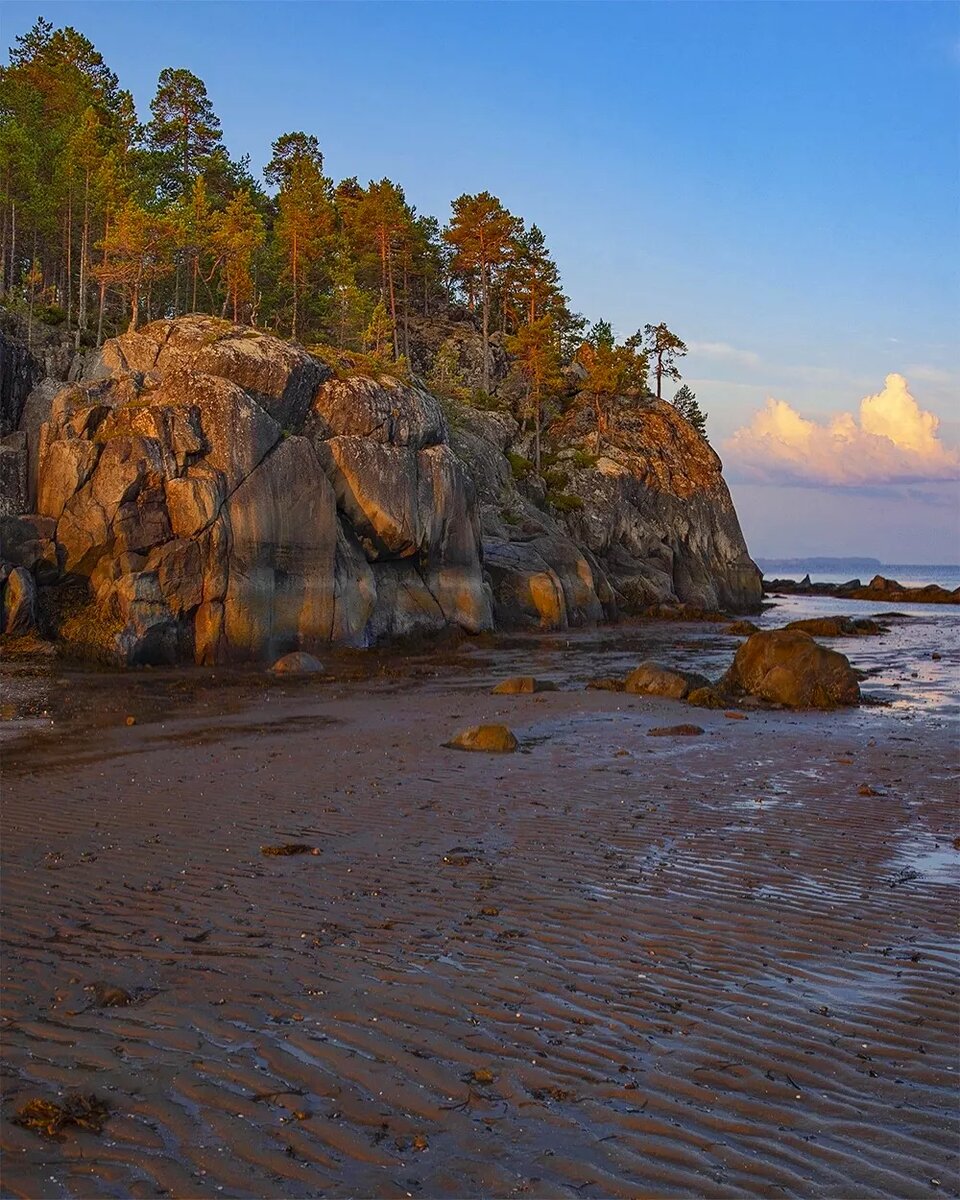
pixel 685 402
pixel 583 460
pixel 109 221
pixel 664 348
pixel 520 466
pixel 564 502
pixel 555 478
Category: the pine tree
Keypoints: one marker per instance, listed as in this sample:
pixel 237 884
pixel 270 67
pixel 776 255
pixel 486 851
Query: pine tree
pixel 184 129
pixel 535 354
pixel 664 347
pixel 685 402
pixel 306 221
pixel 612 371
pixel 482 233
pixel 136 251
pixel 237 235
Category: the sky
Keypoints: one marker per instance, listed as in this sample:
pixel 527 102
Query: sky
pixel 776 181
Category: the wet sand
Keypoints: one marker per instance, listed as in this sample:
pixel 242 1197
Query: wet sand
pixel 608 965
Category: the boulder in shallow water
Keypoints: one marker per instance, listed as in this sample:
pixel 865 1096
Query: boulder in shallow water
pixel 786 666
pixel 492 739
pixel 838 626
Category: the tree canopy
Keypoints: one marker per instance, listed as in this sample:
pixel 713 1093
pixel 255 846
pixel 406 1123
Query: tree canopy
pixel 106 222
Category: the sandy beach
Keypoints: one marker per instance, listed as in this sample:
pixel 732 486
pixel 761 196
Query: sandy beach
pixel 607 965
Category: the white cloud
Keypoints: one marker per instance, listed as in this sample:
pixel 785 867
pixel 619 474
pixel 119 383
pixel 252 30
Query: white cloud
pixel 890 440
pixel 726 352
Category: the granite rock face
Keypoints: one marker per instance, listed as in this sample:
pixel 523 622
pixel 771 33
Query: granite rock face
pixel 227 500
pixel 224 497
pixel 648 521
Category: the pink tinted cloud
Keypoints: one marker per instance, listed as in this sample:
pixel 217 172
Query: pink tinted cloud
pixel 890 440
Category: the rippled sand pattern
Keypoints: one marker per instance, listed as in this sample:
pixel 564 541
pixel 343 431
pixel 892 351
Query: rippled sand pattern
pixel 606 966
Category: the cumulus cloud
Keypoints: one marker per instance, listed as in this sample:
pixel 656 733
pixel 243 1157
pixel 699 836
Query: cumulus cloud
pixel 726 352
pixel 890 440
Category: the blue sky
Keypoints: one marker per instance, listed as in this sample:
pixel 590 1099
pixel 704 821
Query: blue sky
pixel 776 181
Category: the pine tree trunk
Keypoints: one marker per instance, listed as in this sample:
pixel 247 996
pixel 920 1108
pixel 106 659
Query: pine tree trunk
pixel 84 251
pixel 393 303
pixel 69 257
pixel 293 330
pixel 406 314
pixel 485 300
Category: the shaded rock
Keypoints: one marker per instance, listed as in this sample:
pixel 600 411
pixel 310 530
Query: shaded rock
pixel 654 679
pixel 18 614
pixel 838 627
pixel 404 604
pixel 742 628
pixel 527 592
pixel 297 663
pixel 492 739
pixel 606 685
pixel 707 697
pixel 786 666
pixel 283 531
pixel 675 731
pixel 30 541
pixel 522 685
pixel 354 591
pixel 14 488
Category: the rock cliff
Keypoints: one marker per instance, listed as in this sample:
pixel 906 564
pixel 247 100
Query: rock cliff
pixel 205 491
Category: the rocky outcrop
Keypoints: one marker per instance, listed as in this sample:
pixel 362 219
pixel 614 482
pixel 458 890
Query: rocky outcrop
pixel 786 666
pixel 886 591
pixel 225 497
pixel 228 500
pixel 647 522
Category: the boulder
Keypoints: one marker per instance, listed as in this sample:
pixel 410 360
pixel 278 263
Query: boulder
pixel 280 377
pixel 522 685
pixel 654 679
pixel 297 663
pixel 381 410
pixel 492 739
pixel 30 541
pixel 18 612
pixel 786 666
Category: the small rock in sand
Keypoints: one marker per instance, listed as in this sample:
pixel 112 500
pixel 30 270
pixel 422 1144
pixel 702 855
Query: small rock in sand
pixel 493 739
pixel 675 731
pixel 654 679
pixel 524 685
pixel 606 685
pixel 297 663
